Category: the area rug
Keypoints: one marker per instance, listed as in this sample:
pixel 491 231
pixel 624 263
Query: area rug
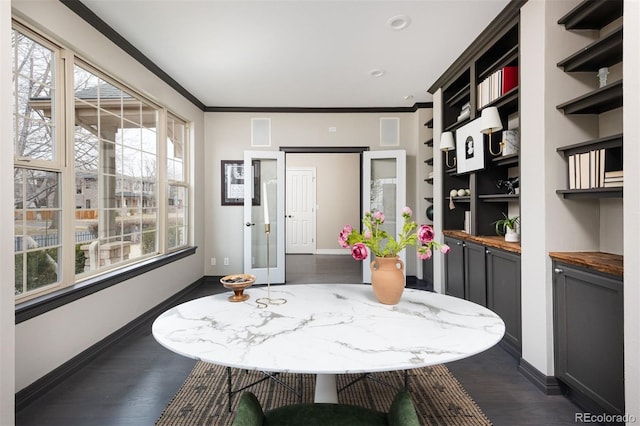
pixel 438 397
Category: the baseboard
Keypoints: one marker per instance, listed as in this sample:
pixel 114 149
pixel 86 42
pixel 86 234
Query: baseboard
pixel 49 381
pixel 549 385
pixel 333 251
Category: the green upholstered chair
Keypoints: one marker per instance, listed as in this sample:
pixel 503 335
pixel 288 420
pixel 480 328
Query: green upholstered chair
pixel 250 413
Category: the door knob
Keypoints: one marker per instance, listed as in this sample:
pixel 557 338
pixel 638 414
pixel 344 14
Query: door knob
pixel 249 224
pixel 558 270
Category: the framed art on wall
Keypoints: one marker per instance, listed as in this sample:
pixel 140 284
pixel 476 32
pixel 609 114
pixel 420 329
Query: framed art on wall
pixel 232 181
pixel 470 147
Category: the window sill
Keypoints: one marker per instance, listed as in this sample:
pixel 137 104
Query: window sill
pixel 40 305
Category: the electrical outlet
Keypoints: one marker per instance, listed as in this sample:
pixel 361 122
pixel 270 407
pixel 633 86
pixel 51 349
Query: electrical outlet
pixel 213 261
pixel 226 261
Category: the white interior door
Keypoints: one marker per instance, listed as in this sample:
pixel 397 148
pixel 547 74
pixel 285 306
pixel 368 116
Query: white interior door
pixel 301 210
pixel 264 198
pixel 384 178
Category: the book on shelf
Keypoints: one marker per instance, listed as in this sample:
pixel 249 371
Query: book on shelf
pixel 496 84
pixel 587 171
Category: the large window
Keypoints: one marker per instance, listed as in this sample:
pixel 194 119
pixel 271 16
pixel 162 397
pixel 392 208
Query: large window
pixel 109 215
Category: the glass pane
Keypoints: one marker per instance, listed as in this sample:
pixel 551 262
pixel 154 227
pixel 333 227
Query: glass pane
pixel 33 98
pixel 19 274
pixel 42 268
pixel 384 191
pixel 268 175
pixel 86 149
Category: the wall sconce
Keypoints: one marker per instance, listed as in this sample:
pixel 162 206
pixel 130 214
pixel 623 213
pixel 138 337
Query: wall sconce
pixel 447 143
pixel 491 123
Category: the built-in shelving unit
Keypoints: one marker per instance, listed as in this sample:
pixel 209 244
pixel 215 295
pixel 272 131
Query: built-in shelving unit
pixel 497 50
pixel 589 282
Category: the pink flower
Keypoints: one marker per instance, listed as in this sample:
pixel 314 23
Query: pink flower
pixel 407 213
pixel 424 253
pixel 359 251
pixel 425 234
pixel 344 235
pixel 367 235
pixel 445 249
pixel 378 217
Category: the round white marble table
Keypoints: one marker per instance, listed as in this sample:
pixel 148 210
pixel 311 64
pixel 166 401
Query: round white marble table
pixel 328 329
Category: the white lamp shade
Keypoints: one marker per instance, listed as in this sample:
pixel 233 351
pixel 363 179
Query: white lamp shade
pixel 447 143
pixel 490 120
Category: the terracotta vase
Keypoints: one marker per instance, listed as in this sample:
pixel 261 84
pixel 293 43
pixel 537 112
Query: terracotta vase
pixel 387 279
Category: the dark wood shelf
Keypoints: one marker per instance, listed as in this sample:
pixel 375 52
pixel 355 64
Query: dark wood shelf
pixel 429 161
pixel 429 142
pixel 499 198
pixel 510 56
pixel 600 100
pixel 506 103
pixel 457 125
pixel 451 171
pixel 592 14
pixel 429 180
pixel 602 53
pixel 506 160
pixel 612 141
pixel 591 193
pixel 429 124
pixel 465 199
pixel 429 199
pixel 462 95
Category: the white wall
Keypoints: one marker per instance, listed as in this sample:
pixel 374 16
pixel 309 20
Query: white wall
pixel 337 195
pixel 7 319
pixel 632 206
pixel 228 135
pixel 47 341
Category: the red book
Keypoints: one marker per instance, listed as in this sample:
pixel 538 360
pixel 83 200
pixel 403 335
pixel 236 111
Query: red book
pixel 509 78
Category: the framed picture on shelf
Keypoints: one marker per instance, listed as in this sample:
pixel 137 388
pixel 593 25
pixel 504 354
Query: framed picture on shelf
pixel 470 147
pixel 232 181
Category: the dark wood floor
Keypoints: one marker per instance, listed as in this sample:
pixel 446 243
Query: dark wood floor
pixel 132 382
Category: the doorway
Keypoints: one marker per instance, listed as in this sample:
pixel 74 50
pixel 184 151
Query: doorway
pixel 337 202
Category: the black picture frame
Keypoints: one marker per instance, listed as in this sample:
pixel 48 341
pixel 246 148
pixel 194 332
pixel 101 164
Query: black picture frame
pixel 232 182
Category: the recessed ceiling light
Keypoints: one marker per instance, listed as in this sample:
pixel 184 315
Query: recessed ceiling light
pixel 399 22
pixel 376 72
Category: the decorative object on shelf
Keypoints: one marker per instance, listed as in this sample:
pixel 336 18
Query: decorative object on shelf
pixel 491 123
pixel 507 227
pixel 238 283
pixel 470 147
pixel 510 184
pixel 603 73
pixel 465 112
pixel 383 245
pixel 447 143
pixel 467 221
pixel 430 212
pixel 510 142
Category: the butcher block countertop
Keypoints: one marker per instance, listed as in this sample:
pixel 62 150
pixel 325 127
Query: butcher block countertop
pixel 602 262
pixel 494 241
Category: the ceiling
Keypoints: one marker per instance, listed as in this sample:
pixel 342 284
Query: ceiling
pixel 304 53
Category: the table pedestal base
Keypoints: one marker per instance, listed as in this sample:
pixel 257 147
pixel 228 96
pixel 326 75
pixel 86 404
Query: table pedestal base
pixel 326 390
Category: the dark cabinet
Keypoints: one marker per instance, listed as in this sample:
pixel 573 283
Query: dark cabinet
pixel 489 277
pixel 475 273
pixel 454 268
pixel 503 293
pixel 588 337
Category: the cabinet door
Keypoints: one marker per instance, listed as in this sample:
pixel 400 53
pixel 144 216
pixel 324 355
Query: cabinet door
pixel 475 273
pixel 588 335
pixel 503 293
pixel 454 266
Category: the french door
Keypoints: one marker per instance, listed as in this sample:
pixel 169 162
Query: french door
pixel 264 199
pixel 384 179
